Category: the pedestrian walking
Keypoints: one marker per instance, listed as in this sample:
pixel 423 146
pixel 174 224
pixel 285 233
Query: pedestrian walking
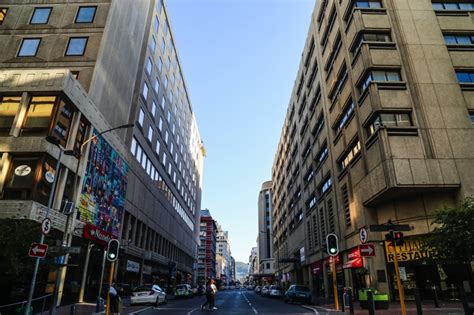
pixel 114 299
pixel 211 291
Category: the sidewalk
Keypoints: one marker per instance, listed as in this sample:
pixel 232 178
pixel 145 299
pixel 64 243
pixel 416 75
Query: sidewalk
pixel 446 308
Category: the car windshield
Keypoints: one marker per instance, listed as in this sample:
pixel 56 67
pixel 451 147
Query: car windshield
pixel 301 288
pixel 143 288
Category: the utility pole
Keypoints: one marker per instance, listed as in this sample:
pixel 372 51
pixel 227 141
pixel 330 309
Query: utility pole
pixel 401 291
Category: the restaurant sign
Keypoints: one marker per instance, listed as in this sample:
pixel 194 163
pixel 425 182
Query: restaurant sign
pixel 412 249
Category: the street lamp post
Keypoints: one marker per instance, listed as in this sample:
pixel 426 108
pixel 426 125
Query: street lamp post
pixel 55 142
pixel 67 236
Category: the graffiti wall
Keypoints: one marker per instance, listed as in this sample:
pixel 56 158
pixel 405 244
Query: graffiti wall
pixel 102 198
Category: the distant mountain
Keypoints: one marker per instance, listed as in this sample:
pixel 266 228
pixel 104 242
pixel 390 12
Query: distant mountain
pixel 241 269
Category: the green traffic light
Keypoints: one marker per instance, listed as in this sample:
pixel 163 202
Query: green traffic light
pixel 332 250
pixel 112 255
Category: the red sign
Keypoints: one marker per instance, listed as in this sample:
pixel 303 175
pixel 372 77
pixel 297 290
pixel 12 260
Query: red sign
pixel 354 259
pixel 367 250
pixel 338 259
pixel 93 233
pixel 317 267
pixel 38 250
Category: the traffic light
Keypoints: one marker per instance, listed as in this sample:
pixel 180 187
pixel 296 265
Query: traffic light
pixel 332 244
pixel 395 237
pixel 113 250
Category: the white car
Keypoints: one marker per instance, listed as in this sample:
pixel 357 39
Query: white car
pixel 276 292
pixel 184 290
pixel 265 290
pixel 149 293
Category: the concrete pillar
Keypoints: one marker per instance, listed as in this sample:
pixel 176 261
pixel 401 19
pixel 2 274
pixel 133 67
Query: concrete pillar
pixel 76 119
pixel 20 115
pixel 5 162
pixel 58 196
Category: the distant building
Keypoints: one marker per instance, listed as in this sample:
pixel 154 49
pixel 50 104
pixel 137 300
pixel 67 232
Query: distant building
pixel 253 263
pixel 223 250
pixel 233 275
pixel 266 263
pixel 207 247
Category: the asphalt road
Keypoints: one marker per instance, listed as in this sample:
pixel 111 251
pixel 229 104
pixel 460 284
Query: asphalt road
pixel 227 302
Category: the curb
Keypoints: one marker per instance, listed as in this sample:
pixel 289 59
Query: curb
pixel 319 308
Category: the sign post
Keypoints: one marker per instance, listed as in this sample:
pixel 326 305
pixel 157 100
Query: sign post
pixel 401 291
pixel 38 250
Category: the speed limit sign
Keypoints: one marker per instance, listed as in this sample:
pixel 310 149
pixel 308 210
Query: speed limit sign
pixel 46 226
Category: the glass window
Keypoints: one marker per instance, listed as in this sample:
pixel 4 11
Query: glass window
pixel 145 90
pixel 163 45
pixel 3 14
pixel 29 47
pixel 164 158
pixel 160 64
pixel 149 66
pixel 165 28
pixel 157 149
pixel 157 85
pixel 152 44
pixel 63 122
pixel 38 117
pixel 150 133
pixel 40 16
pixel 156 24
pixel 162 104
pixel 141 117
pixel 459 39
pixel 166 136
pixel 465 77
pixel 153 108
pixel 85 14
pixel 166 82
pixel 160 124
pixel 133 147
pixel 76 46
pixel 368 4
pixel 8 108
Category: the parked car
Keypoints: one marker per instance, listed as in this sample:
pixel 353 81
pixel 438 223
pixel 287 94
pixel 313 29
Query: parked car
pixel 298 293
pixel 265 290
pixel 258 289
pixel 184 290
pixel 276 291
pixel 149 293
pixel 250 287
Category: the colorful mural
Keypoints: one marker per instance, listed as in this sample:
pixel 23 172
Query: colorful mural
pixel 103 189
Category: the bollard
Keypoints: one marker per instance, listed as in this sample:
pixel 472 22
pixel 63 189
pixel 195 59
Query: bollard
pixel 72 310
pixel 435 296
pixel 341 298
pixel 370 302
pixel 419 310
pixel 351 303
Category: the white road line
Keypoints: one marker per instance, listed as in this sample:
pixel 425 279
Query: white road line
pixel 142 310
pixel 310 308
pixel 191 311
pixel 250 304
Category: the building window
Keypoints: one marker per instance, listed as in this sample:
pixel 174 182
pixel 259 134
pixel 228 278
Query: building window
pixel 345 202
pixel 163 45
pixel 390 120
pixel 153 108
pixel 346 115
pixel 458 39
pixel 380 76
pixel 156 24
pixel 85 14
pixel 322 220
pixel 160 124
pixel 76 46
pixel 163 101
pixel 315 231
pixel 38 117
pixel 149 66
pixel 40 16
pixel 370 37
pixel 311 203
pixel 160 64
pixel 141 117
pixel 63 123
pixel 157 86
pixel 465 76
pixel 157 149
pixel 3 14
pixel 150 134
pixel 325 186
pixel 375 4
pixel 453 6
pixel 350 155
pixel 471 115
pixel 145 90
pixel 166 136
pixel 165 28
pixel 164 159
pixel 9 106
pixel 322 154
pixel 29 47
pixel 309 175
pixel 331 218
pixel 133 146
pixel 152 44
pixel 166 82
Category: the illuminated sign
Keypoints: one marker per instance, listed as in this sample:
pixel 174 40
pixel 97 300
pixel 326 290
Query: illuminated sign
pixel 412 249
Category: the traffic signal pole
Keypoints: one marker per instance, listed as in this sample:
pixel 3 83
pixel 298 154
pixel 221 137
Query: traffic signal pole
pixel 334 282
pixel 111 276
pixel 401 291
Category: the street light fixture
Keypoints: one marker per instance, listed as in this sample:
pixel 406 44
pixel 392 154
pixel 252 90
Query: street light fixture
pixel 67 236
pixel 54 141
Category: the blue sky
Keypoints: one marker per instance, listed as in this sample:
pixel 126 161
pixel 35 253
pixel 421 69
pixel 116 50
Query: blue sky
pixel 240 59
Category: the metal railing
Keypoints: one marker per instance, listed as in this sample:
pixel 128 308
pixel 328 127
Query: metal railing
pixel 11 308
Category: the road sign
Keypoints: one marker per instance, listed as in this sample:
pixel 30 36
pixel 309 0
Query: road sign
pixel 367 250
pixel 38 250
pixel 363 235
pixel 63 250
pixel 46 226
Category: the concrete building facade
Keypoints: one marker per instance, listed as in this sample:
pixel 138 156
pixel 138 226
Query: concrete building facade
pixel 379 127
pixel 264 241
pixel 207 247
pixel 71 70
pixel 224 255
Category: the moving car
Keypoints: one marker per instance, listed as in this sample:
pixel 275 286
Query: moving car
pixel 149 293
pixel 265 290
pixel 298 293
pixel 258 289
pixel 276 291
pixel 184 290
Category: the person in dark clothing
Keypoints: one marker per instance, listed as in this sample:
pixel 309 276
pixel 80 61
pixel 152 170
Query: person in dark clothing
pixel 211 291
pixel 114 299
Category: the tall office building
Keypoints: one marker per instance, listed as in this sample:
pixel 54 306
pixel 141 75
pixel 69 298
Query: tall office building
pixel 71 70
pixel 207 247
pixel 223 250
pixel 379 127
pixel 265 244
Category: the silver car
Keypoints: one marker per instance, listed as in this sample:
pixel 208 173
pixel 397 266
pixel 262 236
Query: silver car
pixel 149 293
pixel 276 291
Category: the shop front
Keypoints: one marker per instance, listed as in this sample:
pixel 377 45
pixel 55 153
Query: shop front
pixel 418 271
pixel 339 273
pixel 317 278
pixel 355 266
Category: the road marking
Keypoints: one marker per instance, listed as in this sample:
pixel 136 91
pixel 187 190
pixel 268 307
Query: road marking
pixel 142 310
pixel 250 304
pixel 310 308
pixel 189 313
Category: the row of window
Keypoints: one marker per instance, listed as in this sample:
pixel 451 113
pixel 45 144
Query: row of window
pixel 453 6
pixel 85 14
pixel 76 46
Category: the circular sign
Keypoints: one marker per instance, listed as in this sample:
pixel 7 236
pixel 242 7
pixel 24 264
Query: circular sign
pixel 22 170
pixel 49 176
pixel 363 235
pixel 46 226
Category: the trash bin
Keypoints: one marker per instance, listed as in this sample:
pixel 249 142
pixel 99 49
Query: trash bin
pixel 380 299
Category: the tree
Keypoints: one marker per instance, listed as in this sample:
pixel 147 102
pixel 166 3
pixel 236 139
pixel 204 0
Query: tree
pixel 452 240
pixel 16 267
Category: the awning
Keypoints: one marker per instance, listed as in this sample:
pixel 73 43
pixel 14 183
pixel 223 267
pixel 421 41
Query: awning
pixel 354 259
